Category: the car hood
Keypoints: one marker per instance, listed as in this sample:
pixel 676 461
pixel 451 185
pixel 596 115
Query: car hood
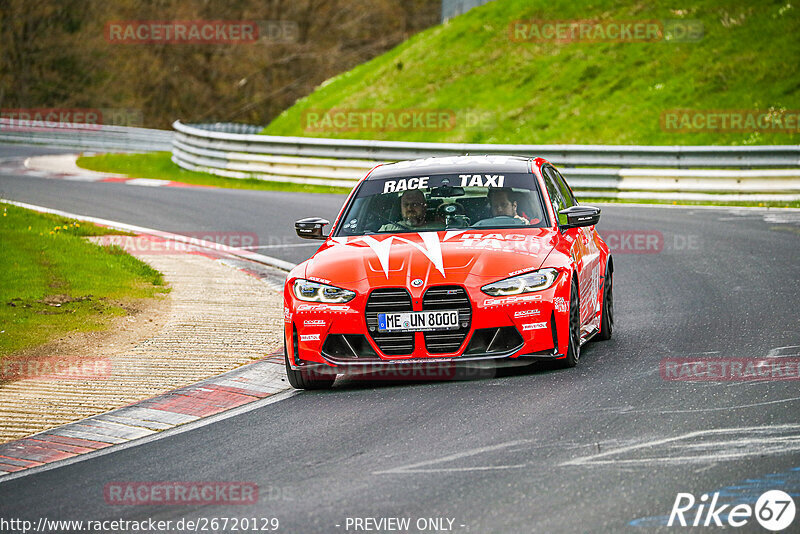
pixel 433 257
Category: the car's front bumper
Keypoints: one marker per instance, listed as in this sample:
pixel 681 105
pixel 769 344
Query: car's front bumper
pixel 338 338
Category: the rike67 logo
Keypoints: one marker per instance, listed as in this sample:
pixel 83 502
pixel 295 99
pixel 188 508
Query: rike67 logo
pixel 774 510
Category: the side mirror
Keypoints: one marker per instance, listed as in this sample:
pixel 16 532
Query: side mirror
pixel 310 228
pixel 580 216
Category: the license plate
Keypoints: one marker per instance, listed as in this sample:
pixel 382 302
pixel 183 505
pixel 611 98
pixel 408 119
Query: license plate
pixel 418 321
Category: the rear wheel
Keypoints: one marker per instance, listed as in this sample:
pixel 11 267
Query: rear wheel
pixel 305 378
pixel 574 346
pixel 607 317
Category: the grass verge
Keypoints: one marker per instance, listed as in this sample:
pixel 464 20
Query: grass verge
pixel 53 281
pixel 498 87
pixel 159 165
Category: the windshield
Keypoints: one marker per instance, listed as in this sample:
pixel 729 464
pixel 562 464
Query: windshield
pixel 444 202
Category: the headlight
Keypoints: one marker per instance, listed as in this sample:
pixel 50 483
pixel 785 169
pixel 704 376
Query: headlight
pixel 524 283
pixel 316 292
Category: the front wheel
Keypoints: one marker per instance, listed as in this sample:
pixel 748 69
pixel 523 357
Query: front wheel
pixel 574 346
pixel 305 378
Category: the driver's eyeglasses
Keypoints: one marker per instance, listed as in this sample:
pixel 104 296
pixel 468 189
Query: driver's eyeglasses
pixel 413 204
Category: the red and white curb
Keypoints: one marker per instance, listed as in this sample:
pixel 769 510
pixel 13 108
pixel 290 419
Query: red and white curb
pixel 247 384
pixel 185 407
pixel 63 167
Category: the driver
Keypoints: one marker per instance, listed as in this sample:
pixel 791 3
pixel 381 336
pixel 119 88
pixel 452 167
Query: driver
pixel 504 204
pixel 413 209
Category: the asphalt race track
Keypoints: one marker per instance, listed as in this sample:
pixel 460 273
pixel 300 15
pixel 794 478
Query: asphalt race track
pixel 604 447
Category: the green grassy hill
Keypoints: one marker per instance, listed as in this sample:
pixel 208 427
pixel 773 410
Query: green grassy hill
pixel 495 89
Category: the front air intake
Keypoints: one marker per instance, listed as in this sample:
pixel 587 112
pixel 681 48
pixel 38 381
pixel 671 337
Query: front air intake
pixel 348 347
pixel 447 298
pixel 389 300
pixel 493 341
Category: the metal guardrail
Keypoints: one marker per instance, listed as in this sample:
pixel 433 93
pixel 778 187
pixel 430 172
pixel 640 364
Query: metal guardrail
pixel 230 127
pixel 237 151
pixel 616 171
pixel 568 155
pixel 86 136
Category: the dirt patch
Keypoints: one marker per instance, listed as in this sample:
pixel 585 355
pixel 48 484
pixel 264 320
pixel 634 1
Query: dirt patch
pixel 58 300
pixel 145 318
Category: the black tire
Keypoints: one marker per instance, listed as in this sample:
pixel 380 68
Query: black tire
pixel 607 314
pixel 306 378
pixel 574 346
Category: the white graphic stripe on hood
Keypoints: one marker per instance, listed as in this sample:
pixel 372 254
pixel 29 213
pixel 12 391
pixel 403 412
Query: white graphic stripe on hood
pixel 382 249
pixel 432 250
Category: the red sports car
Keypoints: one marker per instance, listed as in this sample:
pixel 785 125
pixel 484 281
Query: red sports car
pixel 449 260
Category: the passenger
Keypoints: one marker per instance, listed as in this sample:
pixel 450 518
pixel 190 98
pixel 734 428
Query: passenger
pixel 504 204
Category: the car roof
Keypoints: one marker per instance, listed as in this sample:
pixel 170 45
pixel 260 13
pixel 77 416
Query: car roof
pixel 453 165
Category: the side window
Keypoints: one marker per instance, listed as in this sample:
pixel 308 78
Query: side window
pixel 566 192
pixel 553 190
